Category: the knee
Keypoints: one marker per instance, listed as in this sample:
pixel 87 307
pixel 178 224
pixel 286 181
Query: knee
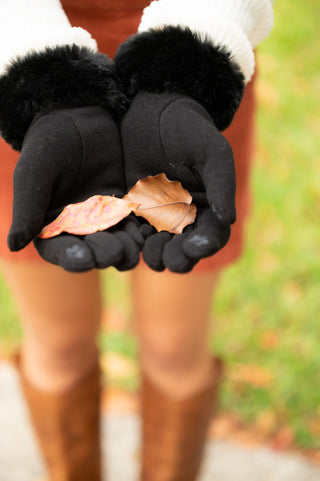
pixel 63 341
pixel 56 366
pixel 171 351
pixel 76 352
pixel 62 353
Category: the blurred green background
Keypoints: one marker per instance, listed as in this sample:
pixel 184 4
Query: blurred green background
pixel 266 312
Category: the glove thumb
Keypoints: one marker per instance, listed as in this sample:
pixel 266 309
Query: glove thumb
pixel 32 189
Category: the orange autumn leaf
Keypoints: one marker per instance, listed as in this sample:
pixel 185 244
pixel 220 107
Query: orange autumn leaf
pixel 113 319
pixel 314 426
pixel 94 214
pixel 116 400
pixel 266 422
pixel 164 203
pixel 270 340
pixel 284 439
pixel 251 374
pixel 118 366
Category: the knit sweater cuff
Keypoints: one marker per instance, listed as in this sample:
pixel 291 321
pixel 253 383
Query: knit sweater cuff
pixel 31 26
pixel 237 25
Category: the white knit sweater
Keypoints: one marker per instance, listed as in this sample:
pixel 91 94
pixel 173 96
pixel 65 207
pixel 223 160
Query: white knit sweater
pixel 32 25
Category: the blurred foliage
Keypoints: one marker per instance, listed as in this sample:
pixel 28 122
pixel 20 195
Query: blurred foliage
pixel 266 309
pixel 10 330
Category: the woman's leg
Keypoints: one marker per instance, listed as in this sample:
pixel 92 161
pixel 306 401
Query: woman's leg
pixel 180 376
pixel 172 322
pixel 59 371
pixel 60 316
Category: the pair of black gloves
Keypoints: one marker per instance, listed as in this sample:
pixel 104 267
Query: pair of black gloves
pixel 87 126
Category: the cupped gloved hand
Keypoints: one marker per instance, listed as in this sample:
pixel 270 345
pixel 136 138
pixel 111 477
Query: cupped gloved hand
pixel 68 156
pixel 185 89
pixel 174 134
pixel 58 107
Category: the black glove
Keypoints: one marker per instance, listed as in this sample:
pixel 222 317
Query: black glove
pixel 175 135
pixel 67 157
pixel 71 151
pixel 184 92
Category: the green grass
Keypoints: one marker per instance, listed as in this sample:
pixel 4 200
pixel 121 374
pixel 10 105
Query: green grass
pixel 275 287
pixel 10 331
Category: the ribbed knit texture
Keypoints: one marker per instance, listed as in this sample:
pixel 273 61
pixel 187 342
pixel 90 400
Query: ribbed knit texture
pixel 29 26
pixel 238 25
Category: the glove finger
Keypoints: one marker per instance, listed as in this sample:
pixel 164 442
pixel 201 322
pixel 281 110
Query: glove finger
pixel 147 230
pixel 153 250
pixel 174 258
pixel 106 248
pixel 218 176
pixel 189 134
pixel 131 226
pixel 130 251
pixel 207 238
pixel 67 251
pixel 33 182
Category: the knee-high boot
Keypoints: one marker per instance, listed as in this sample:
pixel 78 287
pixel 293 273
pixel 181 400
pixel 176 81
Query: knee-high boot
pixel 174 431
pixel 67 428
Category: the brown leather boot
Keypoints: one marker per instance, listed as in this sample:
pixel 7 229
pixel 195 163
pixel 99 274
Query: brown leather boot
pixel 67 428
pixel 174 432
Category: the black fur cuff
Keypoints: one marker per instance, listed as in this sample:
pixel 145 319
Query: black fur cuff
pixel 175 59
pixel 67 76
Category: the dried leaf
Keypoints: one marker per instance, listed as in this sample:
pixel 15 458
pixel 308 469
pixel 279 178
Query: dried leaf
pixel 266 422
pixel 270 340
pixel 113 319
pixel 165 204
pixel 314 426
pixel 224 425
pixel 292 292
pixel 118 401
pixel 118 366
pixel 284 439
pixel 251 374
pixel 96 213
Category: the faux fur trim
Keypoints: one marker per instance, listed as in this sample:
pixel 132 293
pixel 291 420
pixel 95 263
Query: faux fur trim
pixel 68 76
pixel 174 59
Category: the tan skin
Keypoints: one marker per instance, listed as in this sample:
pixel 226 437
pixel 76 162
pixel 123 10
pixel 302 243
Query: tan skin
pixel 60 313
